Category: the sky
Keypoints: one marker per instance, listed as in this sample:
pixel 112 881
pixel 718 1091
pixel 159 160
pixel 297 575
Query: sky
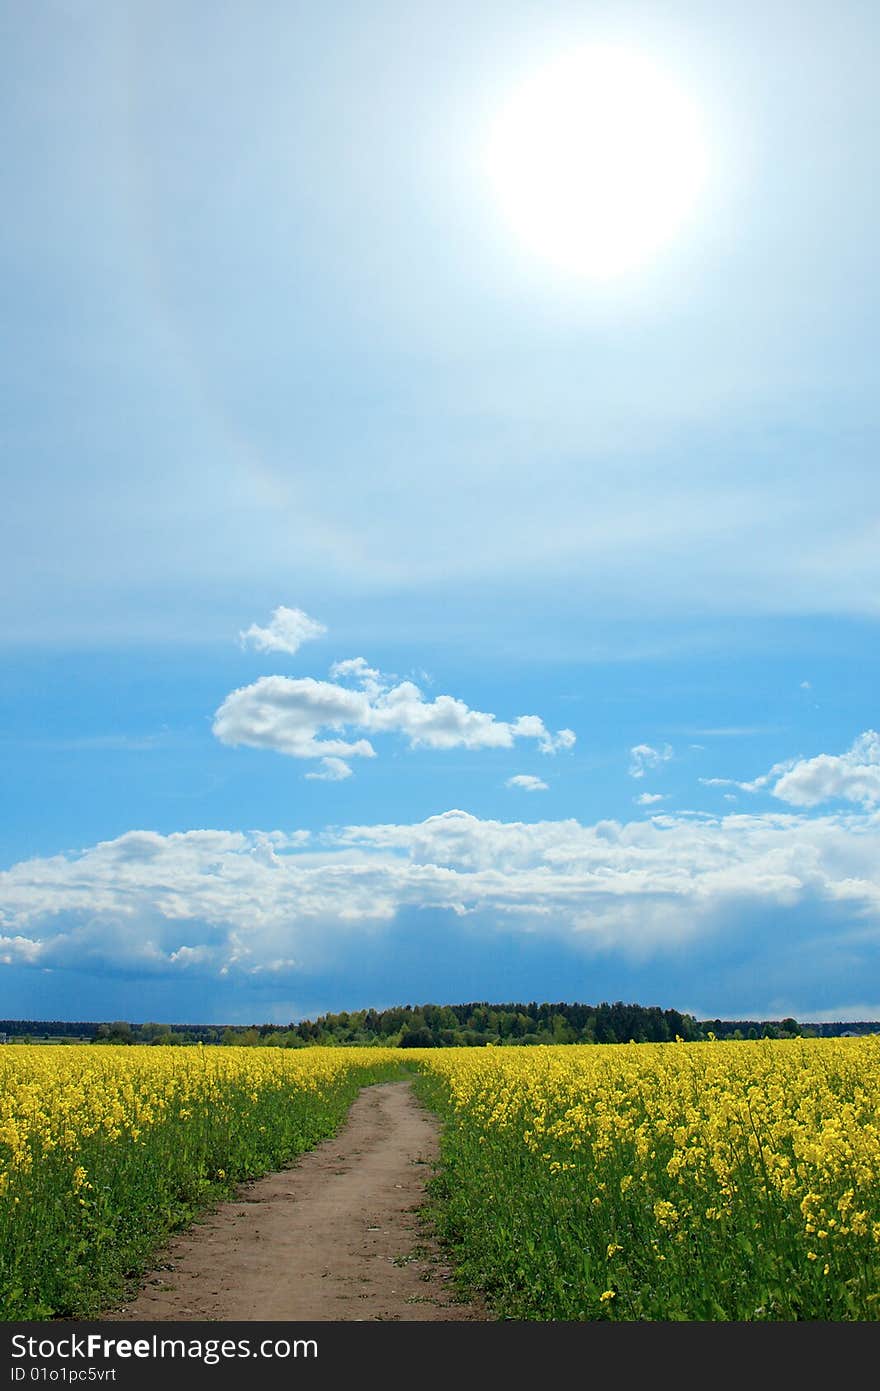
pixel 440 538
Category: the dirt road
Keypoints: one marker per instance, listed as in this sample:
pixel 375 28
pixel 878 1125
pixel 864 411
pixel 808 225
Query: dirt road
pixel 335 1236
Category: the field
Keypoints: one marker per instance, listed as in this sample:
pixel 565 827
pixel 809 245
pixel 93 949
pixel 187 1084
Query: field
pixel 705 1181
pixel 733 1181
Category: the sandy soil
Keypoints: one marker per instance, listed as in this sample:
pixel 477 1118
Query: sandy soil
pixel 335 1236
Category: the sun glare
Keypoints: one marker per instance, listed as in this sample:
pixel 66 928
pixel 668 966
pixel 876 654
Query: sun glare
pixel 597 161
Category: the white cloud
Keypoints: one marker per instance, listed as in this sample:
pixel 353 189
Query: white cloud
pixel 647 799
pixel 304 718
pixel 853 776
pixel 357 669
pixel 287 631
pixel 643 757
pixel 15 950
pixel 335 770
pixel 754 786
pixel 527 782
pixel 219 901
pixel 284 714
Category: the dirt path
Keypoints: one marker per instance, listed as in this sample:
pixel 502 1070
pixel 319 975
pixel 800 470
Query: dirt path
pixel 335 1236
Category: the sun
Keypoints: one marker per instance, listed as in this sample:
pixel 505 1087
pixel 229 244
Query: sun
pixel 597 161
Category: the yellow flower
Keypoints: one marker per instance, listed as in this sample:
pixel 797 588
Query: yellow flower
pixel 666 1213
pixel 80 1179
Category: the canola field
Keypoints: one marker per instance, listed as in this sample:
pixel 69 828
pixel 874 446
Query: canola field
pixel 688 1181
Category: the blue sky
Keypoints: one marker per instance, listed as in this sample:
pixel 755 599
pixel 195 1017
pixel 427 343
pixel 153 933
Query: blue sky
pixel 392 613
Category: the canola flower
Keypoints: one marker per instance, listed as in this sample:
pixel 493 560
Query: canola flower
pixel 718 1180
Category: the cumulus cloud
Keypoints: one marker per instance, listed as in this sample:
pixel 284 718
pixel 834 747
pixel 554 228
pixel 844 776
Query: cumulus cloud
pixel 305 718
pixel 853 776
pixel 643 757
pixel 286 632
pixel 285 714
pixel 527 782
pixel 219 902
pixel 647 799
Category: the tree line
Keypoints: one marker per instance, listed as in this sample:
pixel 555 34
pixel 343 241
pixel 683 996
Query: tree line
pixel 442 1026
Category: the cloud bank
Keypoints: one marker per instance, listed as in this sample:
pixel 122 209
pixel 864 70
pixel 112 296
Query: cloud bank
pixel 207 903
